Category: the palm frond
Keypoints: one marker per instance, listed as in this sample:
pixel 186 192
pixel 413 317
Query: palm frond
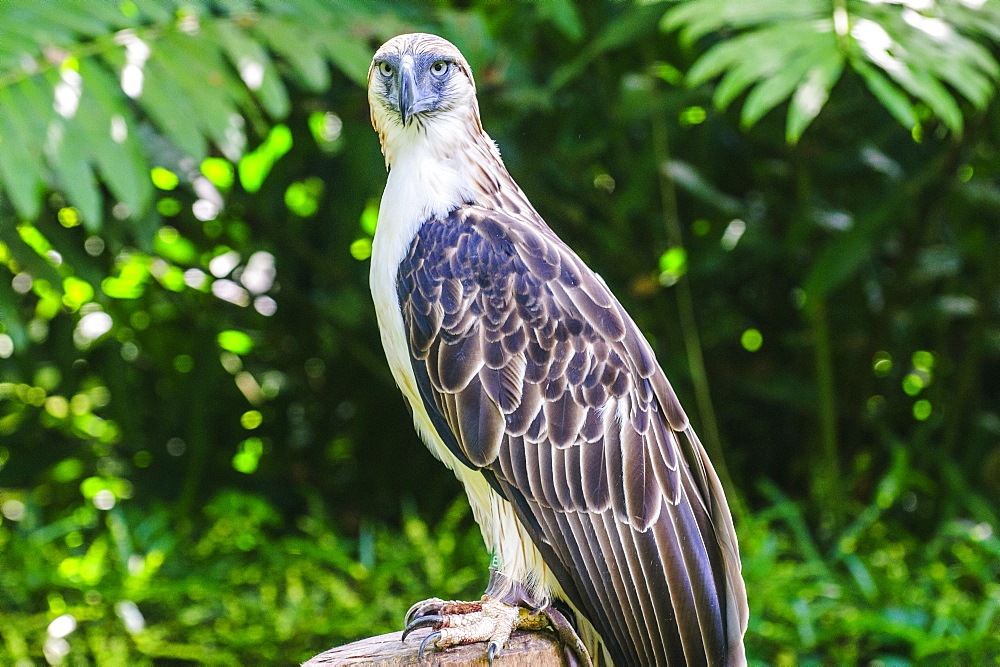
pixel 78 79
pixel 937 55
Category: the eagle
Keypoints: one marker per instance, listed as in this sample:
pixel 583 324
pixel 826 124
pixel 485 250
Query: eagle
pixel 528 379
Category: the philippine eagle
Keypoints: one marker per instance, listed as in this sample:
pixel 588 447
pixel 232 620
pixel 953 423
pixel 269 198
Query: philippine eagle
pixel 529 380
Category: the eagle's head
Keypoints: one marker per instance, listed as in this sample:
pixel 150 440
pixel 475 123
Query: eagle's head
pixel 420 84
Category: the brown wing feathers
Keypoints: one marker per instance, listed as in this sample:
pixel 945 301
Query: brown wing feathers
pixel 538 375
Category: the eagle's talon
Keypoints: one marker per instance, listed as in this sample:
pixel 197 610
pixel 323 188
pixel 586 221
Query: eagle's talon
pixel 423 608
pixel 430 621
pixel 423 645
pixel 491 653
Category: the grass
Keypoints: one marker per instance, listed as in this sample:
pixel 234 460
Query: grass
pixel 125 586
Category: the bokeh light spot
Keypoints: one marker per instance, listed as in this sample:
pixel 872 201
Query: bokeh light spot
pixel 751 340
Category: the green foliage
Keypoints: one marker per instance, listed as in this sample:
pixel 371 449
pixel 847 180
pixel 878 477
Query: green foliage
pixel 200 71
pixel 932 55
pixel 243 589
pixel 239 590
pixel 879 594
pixel 184 309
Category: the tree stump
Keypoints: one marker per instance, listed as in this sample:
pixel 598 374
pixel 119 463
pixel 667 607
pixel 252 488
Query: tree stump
pixel 524 649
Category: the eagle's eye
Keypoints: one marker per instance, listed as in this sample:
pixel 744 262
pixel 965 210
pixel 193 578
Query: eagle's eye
pixel 439 68
pixel 385 69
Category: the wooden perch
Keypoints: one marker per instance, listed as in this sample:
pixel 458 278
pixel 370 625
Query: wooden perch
pixel 525 649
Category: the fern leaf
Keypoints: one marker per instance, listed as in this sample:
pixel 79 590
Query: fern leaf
pixel 200 71
pixel 812 93
pixel 283 37
pixel 256 68
pixel 110 130
pixel 891 97
pixel 781 51
pixel 20 149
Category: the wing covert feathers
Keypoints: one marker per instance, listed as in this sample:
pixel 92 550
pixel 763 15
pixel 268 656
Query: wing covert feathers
pixel 537 373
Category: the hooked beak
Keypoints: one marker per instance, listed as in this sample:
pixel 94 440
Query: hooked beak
pixel 412 99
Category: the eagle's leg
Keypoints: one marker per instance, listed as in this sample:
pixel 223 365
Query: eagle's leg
pixel 506 606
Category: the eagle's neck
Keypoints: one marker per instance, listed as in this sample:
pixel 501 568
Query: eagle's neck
pixel 438 164
pixel 434 167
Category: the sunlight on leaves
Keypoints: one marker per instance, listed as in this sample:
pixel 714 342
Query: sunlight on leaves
pixel 325 127
pixel 673 265
pixel 76 292
pixel 234 341
pixel 170 245
pixel 751 340
pixel 68 217
pixel 256 165
pixel 131 279
pixel 219 171
pixel 302 198
pixel 881 363
pixel 164 179
pixel 694 115
pixel 902 52
pixel 361 249
pixel 251 419
pixel 369 217
pixel 247 458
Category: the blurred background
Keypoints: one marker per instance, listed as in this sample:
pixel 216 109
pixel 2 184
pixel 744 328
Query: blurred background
pixel 203 457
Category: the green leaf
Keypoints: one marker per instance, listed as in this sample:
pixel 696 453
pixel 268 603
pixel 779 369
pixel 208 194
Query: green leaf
pixel 736 81
pixel 954 65
pixel 352 55
pixel 75 177
pixel 563 15
pixel 156 11
pixel 715 61
pixel 16 41
pixel 66 153
pixel 20 151
pixel 776 49
pixel 38 266
pixel 256 165
pixel 777 88
pixel 195 64
pixel 300 51
pixel 891 97
pixel 110 130
pixel 622 30
pixel 697 18
pixel 930 90
pixel 64 20
pixel 694 19
pixel 927 53
pixel 254 64
pixel 235 341
pixel 169 106
pixel 812 94
pixel 109 14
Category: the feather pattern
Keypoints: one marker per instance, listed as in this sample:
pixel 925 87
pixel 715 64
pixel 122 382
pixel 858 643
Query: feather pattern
pixel 579 425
